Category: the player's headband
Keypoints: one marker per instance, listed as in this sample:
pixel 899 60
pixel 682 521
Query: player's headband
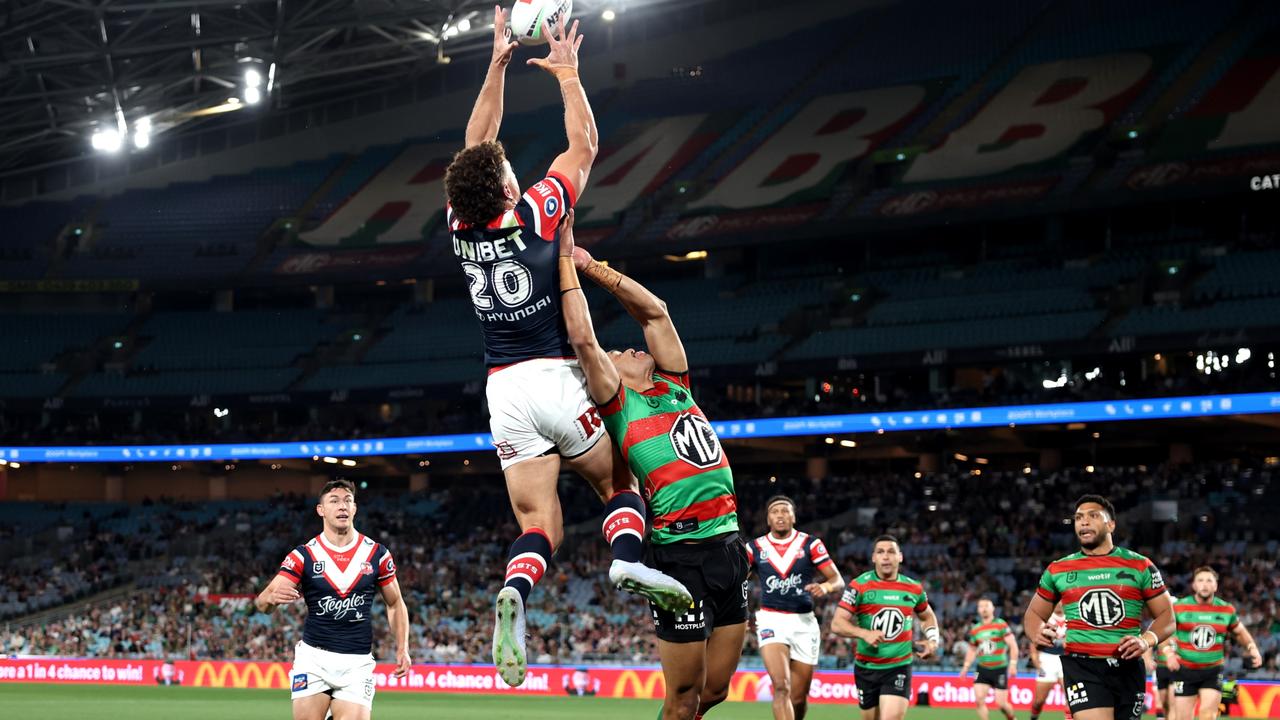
pixel 777 500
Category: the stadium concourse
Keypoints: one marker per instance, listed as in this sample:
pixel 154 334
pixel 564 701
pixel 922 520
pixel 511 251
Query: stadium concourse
pixel 177 575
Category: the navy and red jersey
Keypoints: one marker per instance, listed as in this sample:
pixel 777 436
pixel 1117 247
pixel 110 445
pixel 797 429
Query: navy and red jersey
pixel 785 567
pixel 513 274
pixel 339 584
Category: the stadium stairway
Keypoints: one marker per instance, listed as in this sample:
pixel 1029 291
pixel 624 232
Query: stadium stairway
pixel 1212 63
pixel 272 237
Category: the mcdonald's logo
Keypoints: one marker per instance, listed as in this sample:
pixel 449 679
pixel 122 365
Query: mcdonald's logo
pixel 1261 706
pixel 649 688
pixel 743 686
pixel 241 675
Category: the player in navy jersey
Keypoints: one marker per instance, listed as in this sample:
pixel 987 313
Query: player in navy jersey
pixel 338 573
pixel 789 564
pixel 539 411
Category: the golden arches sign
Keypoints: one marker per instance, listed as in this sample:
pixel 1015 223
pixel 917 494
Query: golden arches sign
pixel 1257 701
pixel 743 686
pixel 241 675
pixel 650 687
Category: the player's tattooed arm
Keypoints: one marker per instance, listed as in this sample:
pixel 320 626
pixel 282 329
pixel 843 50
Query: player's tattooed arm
pixel 644 307
pixel 603 381
pixel 486 116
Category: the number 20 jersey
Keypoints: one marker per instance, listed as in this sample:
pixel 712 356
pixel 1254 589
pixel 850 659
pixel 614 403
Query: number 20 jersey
pixel 890 607
pixel 513 274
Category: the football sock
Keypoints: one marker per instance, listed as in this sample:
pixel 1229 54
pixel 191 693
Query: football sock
pixel 529 556
pixel 624 525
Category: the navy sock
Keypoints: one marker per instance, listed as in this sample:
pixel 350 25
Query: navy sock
pixel 527 562
pixel 624 525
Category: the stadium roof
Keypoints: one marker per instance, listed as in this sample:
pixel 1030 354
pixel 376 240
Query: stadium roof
pixel 69 68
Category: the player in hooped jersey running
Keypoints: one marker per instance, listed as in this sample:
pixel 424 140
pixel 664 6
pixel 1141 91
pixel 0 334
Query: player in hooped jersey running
pixel 648 408
pixel 992 644
pixel 877 609
pixel 1104 590
pixel 338 573
pixel 1203 621
pixel 789 564
pixel 539 412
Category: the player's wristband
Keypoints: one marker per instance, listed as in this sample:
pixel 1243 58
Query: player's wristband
pixel 932 635
pixel 1153 643
pixel 568 274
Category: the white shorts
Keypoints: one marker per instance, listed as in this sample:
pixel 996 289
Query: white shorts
pixel 345 677
pixel 799 631
pixel 537 405
pixel 1050 668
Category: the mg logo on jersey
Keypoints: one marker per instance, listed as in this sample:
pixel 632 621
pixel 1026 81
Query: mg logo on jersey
pixel 1101 608
pixel 890 622
pixel 987 647
pixel 695 441
pixel 1203 637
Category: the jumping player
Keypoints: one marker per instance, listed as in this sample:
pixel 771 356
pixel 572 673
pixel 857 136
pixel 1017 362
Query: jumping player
pixel 337 573
pixel 789 564
pixel 1104 589
pixel 648 408
pixel 1048 662
pixel 539 411
pixel 1203 621
pixel 878 610
pixel 992 643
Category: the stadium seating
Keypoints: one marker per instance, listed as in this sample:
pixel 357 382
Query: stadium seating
pixel 449 544
pixel 198 230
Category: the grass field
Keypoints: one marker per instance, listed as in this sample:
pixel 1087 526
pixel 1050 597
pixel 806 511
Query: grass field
pixel 158 703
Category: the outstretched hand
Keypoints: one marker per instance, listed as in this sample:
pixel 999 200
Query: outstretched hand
pixel 503 45
pixel 566 236
pixel 563 56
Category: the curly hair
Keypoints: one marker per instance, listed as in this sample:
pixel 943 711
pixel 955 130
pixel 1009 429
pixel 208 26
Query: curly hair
pixel 474 183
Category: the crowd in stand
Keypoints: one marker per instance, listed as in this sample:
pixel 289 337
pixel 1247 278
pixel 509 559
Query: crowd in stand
pixel 965 535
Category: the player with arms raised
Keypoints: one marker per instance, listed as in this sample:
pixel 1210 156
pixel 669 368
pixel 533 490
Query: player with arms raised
pixel 539 411
pixel 338 573
pixel 1203 621
pixel 878 610
pixel 1104 590
pixel 789 564
pixel 993 645
pixel 648 408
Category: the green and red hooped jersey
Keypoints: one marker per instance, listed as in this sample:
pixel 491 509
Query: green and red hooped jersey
pixel 989 639
pixel 673 450
pixel 1103 597
pixel 889 606
pixel 1202 629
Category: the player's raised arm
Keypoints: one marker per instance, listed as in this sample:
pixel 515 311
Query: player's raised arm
pixel 603 381
pixel 646 308
pixel 579 122
pixel 486 116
